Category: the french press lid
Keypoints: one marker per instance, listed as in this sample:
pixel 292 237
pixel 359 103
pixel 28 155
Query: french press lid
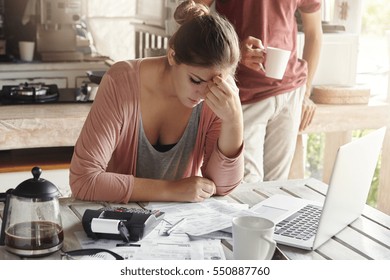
pixel 36 187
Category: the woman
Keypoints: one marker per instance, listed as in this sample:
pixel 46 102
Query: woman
pixel 157 124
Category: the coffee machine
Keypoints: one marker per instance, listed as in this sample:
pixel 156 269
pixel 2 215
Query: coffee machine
pixel 56 30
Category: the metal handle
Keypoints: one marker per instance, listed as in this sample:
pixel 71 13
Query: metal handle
pixel 4 197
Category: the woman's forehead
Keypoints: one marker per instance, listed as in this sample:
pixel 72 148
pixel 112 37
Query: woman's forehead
pixel 207 73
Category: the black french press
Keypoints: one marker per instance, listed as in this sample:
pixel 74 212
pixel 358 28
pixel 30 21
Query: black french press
pixel 31 223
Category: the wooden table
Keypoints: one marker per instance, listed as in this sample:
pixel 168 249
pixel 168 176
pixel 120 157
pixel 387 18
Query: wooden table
pixel 366 238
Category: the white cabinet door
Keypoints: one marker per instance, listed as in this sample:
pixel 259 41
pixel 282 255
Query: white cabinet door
pixel 338 61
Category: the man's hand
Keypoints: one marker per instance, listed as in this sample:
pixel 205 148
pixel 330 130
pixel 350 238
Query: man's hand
pixel 308 110
pixel 252 53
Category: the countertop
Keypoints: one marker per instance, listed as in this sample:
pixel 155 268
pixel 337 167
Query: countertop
pixel 41 125
pixel 43 66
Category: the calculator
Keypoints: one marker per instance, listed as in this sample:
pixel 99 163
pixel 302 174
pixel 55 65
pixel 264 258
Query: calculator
pixel 120 223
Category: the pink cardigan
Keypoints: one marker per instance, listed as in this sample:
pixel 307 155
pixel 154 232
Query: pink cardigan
pixel 104 160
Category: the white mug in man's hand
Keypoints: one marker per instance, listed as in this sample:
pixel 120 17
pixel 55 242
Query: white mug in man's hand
pixel 253 238
pixel 276 61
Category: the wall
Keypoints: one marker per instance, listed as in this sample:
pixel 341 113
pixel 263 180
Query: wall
pixel 15 30
pixel 110 24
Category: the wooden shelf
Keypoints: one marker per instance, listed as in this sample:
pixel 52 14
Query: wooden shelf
pixel 26 159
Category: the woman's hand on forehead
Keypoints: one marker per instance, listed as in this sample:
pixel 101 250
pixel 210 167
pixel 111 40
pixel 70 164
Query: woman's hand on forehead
pixel 227 82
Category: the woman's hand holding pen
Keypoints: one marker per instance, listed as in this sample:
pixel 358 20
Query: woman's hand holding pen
pixel 193 189
pixel 190 189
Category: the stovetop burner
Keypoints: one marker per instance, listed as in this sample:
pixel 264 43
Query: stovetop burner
pixel 29 93
pixel 29 89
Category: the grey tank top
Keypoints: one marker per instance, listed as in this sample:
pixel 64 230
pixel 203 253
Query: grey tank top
pixel 172 164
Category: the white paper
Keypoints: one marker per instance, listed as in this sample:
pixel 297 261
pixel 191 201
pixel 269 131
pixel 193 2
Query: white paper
pixel 174 250
pixel 177 246
pixel 198 238
pixel 202 218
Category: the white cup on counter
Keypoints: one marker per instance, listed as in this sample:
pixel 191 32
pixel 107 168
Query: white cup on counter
pixel 253 238
pixel 26 50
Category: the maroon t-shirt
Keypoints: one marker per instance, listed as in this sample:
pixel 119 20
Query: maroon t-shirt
pixel 273 22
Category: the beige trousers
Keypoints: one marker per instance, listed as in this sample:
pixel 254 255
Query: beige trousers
pixel 270 134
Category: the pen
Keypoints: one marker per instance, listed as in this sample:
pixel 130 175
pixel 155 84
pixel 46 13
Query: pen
pixel 177 224
pixel 128 245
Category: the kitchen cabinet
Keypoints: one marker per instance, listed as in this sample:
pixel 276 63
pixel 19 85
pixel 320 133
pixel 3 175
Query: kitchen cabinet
pixel 64 74
pixel 338 60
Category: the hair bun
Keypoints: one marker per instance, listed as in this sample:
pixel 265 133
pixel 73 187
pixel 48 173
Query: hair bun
pixel 189 10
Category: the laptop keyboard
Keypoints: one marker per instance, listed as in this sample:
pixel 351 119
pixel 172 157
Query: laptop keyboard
pixel 300 225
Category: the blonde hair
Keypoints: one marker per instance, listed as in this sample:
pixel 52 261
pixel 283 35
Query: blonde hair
pixel 204 39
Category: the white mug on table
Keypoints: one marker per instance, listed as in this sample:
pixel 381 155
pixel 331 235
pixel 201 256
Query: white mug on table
pixel 253 238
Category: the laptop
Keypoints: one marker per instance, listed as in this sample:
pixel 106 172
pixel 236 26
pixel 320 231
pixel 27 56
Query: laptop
pixel 347 193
